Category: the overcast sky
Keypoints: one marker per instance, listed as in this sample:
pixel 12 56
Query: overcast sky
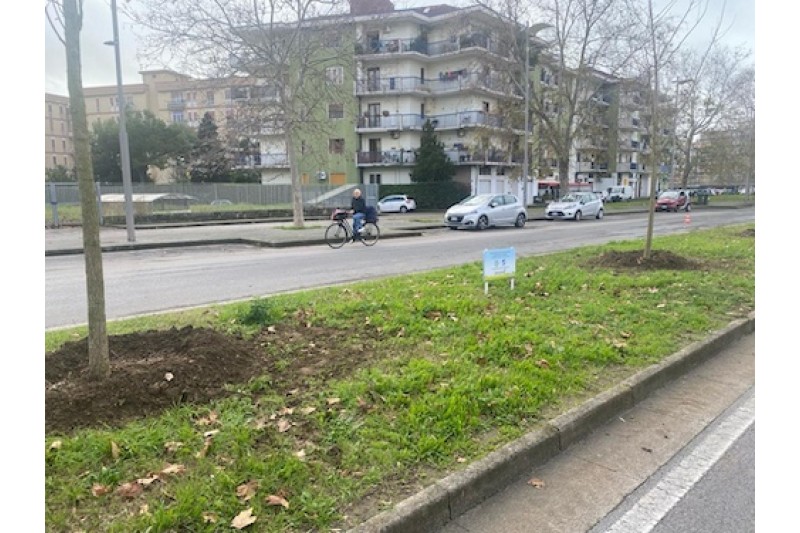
pixel 99 66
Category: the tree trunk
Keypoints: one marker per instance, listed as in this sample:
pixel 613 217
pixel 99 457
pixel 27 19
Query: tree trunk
pixel 563 175
pixel 99 366
pixel 298 218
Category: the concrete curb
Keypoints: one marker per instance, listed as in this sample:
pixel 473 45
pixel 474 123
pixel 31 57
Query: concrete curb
pixel 448 498
pixel 212 242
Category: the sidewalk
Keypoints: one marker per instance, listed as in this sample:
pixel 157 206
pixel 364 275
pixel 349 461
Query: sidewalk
pixel 274 234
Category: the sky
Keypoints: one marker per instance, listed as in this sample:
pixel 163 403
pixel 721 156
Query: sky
pixel 99 65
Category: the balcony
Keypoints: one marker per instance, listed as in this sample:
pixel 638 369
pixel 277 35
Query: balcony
pixel 447 82
pixel 589 166
pixel 176 104
pixel 263 160
pixel 461 119
pixel 420 45
pixel 387 157
pixel 462 155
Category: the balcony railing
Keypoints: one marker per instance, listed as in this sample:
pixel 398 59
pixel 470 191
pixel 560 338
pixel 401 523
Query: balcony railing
pixel 588 166
pixel 263 160
pixel 455 155
pixel 420 45
pixel 462 119
pixel 447 82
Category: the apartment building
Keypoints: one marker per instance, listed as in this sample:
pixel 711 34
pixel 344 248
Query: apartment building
pixel 58 149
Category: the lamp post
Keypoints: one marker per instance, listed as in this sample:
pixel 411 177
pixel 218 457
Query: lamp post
pixel 124 151
pixel 678 83
pixel 525 162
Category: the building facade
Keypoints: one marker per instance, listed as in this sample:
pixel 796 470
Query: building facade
pixel 58 150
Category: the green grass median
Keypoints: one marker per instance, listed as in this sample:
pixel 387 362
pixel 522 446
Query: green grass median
pixel 367 392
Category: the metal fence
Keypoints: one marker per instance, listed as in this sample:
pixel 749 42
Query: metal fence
pixel 251 194
pixel 237 193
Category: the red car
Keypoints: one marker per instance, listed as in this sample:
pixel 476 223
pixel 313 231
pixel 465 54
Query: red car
pixel 673 201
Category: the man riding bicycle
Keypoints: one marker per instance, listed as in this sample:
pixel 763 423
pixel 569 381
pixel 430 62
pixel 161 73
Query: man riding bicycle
pixel 358 207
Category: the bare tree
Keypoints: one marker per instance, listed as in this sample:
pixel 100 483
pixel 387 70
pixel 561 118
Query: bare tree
pixel 67 16
pixel 712 76
pixel 284 48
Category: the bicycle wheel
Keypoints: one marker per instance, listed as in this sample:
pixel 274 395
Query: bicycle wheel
pixel 370 233
pixel 336 235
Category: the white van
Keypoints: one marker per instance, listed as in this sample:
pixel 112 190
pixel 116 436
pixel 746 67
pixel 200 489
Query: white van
pixel 620 192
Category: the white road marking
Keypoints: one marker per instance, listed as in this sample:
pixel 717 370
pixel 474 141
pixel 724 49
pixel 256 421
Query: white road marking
pixel 654 505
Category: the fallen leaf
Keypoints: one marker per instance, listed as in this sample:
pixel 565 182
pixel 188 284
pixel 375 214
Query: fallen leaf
pixel 461 460
pixel 284 425
pixel 129 490
pixel 98 489
pixel 661 306
pixel 206 446
pixel 169 376
pixel 173 469
pixel 210 434
pixel 247 490
pixel 542 363
pixel 147 481
pixel 55 445
pixel 292 392
pixel 114 450
pixel 536 483
pixel 243 519
pixel 144 509
pixel 172 446
pixel 334 401
pixel 271 329
pixel 210 518
pixel 300 455
pixel 276 500
pixel 308 410
pixel 286 411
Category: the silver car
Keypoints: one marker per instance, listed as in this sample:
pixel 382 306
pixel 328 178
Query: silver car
pixel 485 210
pixel 575 205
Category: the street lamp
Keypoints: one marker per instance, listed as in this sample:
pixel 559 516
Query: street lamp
pixel 124 151
pixel 678 83
pixel 526 164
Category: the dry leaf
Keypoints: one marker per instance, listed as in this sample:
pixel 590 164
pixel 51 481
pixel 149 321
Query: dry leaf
pixel 243 519
pixel 206 446
pixel 55 445
pixel 210 434
pixel 461 460
pixel 286 411
pixel 300 455
pixel 114 450
pixel 173 469
pixel 210 518
pixel 212 418
pixel 276 500
pixel 144 509
pixel 129 490
pixel 172 446
pixel 542 363
pixel 308 410
pixel 247 490
pixel 536 483
pixel 334 401
pixel 99 490
pixel 271 329
pixel 147 481
pixel 283 425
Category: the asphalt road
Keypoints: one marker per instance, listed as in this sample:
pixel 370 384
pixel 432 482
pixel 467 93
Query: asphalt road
pixel 151 281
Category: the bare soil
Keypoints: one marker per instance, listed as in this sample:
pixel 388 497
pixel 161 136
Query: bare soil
pixel 154 370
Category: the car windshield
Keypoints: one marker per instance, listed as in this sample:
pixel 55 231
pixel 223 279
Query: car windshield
pixel 669 194
pixel 476 200
pixel 570 198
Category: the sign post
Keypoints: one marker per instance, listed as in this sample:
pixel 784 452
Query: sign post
pixel 500 263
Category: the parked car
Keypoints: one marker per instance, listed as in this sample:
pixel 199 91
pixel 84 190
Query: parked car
pixel 396 203
pixel 575 205
pixel 620 193
pixel 673 201
pixel 485 210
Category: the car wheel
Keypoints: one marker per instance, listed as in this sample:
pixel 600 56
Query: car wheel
pixel 403 209
pixel 452 227
pixel 483 223
pixel 599 214
pixel 520 221
pixel 578 216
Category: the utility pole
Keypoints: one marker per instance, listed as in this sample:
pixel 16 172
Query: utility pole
pixel 124 149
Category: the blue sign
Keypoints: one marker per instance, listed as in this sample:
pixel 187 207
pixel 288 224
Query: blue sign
pixel 499 263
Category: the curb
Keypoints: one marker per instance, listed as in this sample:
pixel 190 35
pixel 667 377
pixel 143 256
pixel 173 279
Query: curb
pixel 435 506
pixel 212 242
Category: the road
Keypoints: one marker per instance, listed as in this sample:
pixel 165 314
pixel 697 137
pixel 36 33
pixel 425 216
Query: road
pixel 151 281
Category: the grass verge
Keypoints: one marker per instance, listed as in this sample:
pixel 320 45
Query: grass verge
pixel 456 374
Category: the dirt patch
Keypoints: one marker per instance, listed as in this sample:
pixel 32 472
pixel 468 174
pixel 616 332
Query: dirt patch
pixel 658 260
pixel 154 370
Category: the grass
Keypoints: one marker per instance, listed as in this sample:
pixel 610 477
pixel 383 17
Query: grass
pixel 458 374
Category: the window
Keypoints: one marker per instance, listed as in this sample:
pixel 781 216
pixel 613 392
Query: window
pixel 97 105
pixel 63 129
pixel 61 110
pixel 375 178
pixel 49 109
pixel 112 101
pixel 177 116
pixel 335 110
pixel 63 145
pixel 335 75
pixel 336 146
pixel 55 161
pixel 210 97
pixel 52 145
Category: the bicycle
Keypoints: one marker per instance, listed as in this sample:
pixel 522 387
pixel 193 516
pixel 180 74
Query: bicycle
pixel 340 231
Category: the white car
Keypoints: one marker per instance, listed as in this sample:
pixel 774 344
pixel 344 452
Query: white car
pixel 575 205
pixel 396 203
pixel 485 210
